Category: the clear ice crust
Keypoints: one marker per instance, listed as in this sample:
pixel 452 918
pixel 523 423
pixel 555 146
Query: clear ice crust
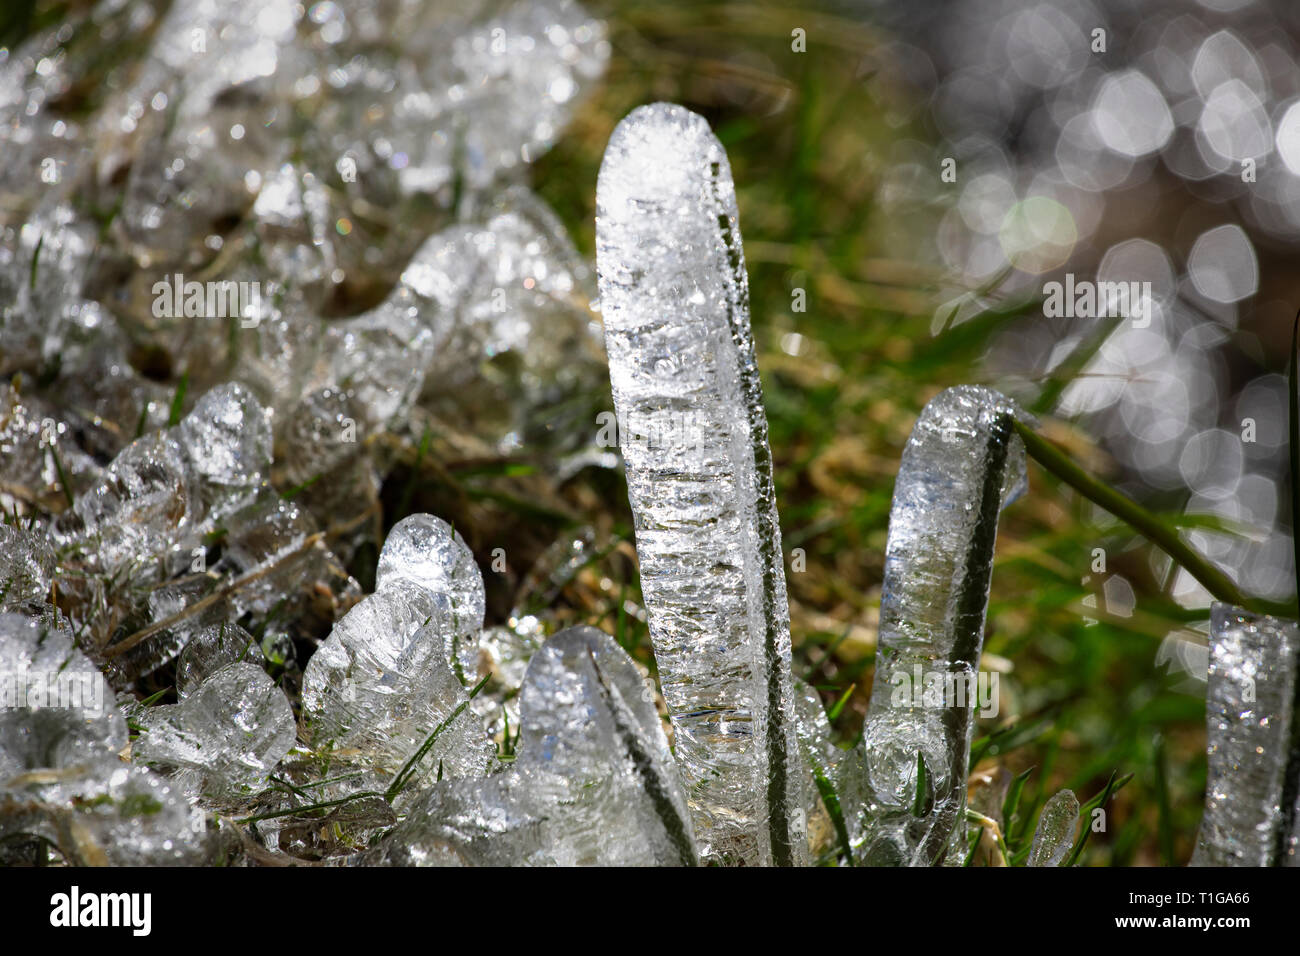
pixel 675 303
pixel 1250 741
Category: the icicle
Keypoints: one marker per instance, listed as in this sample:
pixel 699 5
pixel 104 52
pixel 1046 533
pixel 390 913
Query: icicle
pixel 674 297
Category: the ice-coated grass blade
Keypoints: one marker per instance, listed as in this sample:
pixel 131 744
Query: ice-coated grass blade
pixel 593 781
pixel 1293 446
pixel 655 779
pixel 1114 785
pixel 674 298
pixel 838 776
pixel 962 463
pixel 1251 741
pixel 1054 837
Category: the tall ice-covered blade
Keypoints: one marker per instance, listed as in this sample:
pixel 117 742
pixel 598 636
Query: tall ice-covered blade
pixel 1251 742
pixel 962 463
pixel 675 302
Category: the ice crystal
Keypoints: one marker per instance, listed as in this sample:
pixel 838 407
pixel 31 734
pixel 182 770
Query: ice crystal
pixel 693 433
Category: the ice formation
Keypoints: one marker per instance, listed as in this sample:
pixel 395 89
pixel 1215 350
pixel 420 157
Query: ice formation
pixel 26 565
pixel 962 464
pixel 61 779
pixel 149 513
pixel 102 813
pixel 1250 788
pixel 57 708
pixel 428 554
pixel 211 649
pixel 226 735
pixel 190 144
pixel 158 535
pixel 401 662
pixel 693 433
pixel 1054 837
pixel 173 485
pixel 593 783
pixel 837 780
pixel 149 533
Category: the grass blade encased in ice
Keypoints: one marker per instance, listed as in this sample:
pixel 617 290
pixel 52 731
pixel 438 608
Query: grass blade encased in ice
pixel 674 297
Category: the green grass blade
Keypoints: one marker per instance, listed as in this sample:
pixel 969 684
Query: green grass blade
pixel 1141 520
pixel 178 401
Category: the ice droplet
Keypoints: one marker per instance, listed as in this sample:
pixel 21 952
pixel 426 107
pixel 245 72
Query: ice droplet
pixel 1054 837
pixel 277 542
pixel 1250 714
pixel 320 432
pixel 159 490
pixel 962 464
pixel 693 433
